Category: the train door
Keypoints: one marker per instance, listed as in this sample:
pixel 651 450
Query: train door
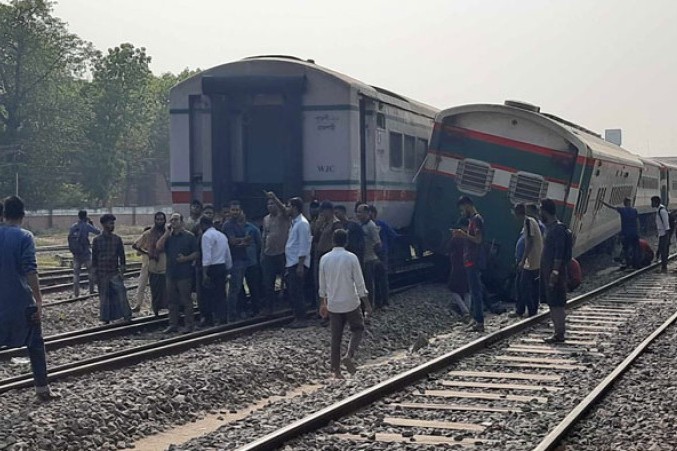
pixel 368 136
pixel 256 139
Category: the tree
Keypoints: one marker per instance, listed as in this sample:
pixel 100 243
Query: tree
pixel 121 118
pixel 39 60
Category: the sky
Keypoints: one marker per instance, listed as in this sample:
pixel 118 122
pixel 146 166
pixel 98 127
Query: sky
pixel 599 63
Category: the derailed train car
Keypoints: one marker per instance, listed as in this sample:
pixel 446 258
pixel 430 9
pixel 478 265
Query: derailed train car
pixel 288 125
pixel 501 155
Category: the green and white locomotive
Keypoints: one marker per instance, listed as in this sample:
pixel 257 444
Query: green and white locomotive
pixel 501 155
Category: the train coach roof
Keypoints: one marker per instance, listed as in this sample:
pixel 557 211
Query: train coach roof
pixel 376 92
pixel 668 162
pixel 579 136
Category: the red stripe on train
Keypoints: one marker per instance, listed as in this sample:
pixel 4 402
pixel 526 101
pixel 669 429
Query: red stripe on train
pixel 353 195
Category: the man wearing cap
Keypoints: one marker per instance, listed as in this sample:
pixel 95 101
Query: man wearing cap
pixel 108 263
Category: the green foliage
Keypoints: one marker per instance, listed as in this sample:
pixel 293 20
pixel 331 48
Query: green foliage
pixel 76 124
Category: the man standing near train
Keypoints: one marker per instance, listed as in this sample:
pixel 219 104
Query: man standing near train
pixel 297 254
pixel 474 258
pixel 529 263
pixel 181 249
pixel 274 239
pixel 629 232
pixel 663 230
pixel 554 263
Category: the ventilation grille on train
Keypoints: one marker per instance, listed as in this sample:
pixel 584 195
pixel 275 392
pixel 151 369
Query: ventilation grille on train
pixel 527 188
pixel 474 177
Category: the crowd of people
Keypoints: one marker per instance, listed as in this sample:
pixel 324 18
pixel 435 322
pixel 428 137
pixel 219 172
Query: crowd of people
pixel 330 263
pixel 210 258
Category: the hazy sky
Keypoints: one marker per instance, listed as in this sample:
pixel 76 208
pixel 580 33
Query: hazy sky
pixel 599 63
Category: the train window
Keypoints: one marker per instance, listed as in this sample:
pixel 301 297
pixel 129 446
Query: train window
pixel 421 149
pixel 529 188
pixel 395 150
pixel 601 192
pixel 474 177
pixel 380 120
pixel 409 152
pixel 587 201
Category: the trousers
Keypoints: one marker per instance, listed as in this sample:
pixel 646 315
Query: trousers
pixel 527 294
pixel 143 284
pixel 178 292
pixel 78 262
pixel 476 294
pixel 337 322
pixel 663 249
pixel 295 285
pixel 272 266
pixel 213 300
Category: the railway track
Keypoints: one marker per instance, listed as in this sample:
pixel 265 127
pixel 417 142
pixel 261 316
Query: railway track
pixel 500 388
pixel 400 281
pixel 55 284
pixel 126 240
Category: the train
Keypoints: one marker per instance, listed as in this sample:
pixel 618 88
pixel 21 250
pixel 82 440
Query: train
pixel 289 125
pixel 504 154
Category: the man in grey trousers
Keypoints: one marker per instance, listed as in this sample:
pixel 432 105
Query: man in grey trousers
pixel 341 287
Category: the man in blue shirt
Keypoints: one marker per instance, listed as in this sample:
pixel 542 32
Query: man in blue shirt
pixel 238 240
pixel 629 232
pixel 388 237
pixel 78 243
pixel 21 302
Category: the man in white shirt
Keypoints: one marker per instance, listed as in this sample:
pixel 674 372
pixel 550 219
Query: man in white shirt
pixel 297 252
pixel 341 287
pixel 663 230
pixel 216 261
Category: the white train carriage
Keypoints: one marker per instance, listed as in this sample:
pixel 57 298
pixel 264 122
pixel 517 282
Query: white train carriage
pixel 288 125
pixel 668 191
pixel 611 174
pixel 649 185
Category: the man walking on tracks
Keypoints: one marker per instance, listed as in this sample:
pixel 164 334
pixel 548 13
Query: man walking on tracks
pixel 554 263
pixel 341 287
pixel 78 244
pixel 180 246
pixel 663 229
pixel 629 232
pixel 108 263
pixel 21 302
pixel 473 258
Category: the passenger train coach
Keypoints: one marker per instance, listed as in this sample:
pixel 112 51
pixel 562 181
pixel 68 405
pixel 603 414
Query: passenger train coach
pixel 501 155
pixel 288 125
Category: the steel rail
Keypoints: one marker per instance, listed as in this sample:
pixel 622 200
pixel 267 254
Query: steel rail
pixel 101 332
pixel 65 286
pixel 372 394
pixel 64 247
pixel 552 440
pixel 131 356
pixel 69 271
pixel 157 349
